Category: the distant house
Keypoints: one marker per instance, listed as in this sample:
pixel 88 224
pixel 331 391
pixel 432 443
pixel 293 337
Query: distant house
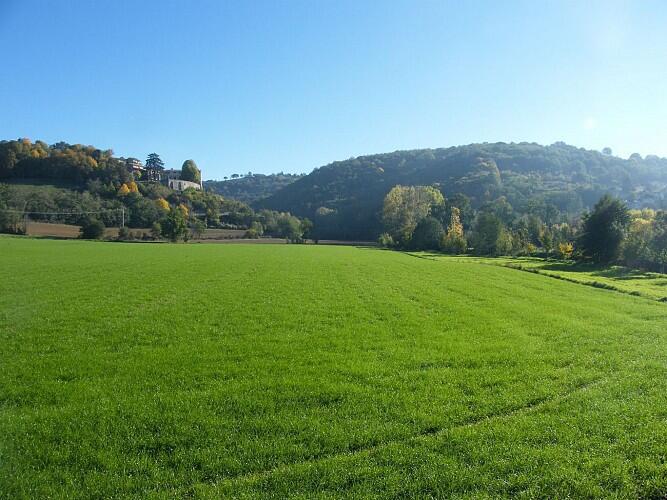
pixel 134 166
pixel 171 173
pixel 153 174
pixel 180 185
pixel 172 178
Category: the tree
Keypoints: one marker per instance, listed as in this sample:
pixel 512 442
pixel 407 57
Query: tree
pixel 156 231
pixel 190 172
pixel 454 241
pixel 405 206
pixel 462 202
pixel 637 248
pixel 10 222
pixel 92 229
pixel 289 227
pixel 123 190
pixel 427 234
pixel 385 240
pixel 489 236
pixel 565 250
pixel 162 204
pixel 307 227
pixel 658 243
pixel 604 230
pixel 198 229
pixel 154 161
pixel 606 151
pixel 174 226
pixel 547 240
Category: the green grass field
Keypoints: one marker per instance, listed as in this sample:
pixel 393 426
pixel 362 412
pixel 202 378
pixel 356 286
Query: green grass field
pixel 621 279
pixel 164 370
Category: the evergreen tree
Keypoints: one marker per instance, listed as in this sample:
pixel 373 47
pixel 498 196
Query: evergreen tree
pixel 154 161
pixel 604 230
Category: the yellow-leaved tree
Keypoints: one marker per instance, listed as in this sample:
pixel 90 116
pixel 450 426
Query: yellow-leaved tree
pixel 454 241
pixel 162 204
pixel 123 190
pixel 565 250
pixel 405 206
pixel 132 186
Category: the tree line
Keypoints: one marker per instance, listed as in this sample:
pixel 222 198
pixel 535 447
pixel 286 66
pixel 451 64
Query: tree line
pixel 556 182
pixel 421 218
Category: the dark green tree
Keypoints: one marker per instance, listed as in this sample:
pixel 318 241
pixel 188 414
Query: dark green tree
pixel 488 234
pixel 427 234
pixel 154 161
pixel 190 172
pixel 604 230
pixel 92 229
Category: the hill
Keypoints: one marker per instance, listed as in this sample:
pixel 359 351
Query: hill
pixel 252 188
pixel 304 370
pixel 344 198
pixel 72 184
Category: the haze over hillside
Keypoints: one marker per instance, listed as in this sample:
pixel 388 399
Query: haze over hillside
pixel 251 188
pixel 344 198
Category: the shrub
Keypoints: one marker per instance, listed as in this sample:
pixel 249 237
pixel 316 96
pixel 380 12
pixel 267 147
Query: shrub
pixel 453 243
pixel 156 231
pixel 385 240
pixel 565 250
pixel 92 229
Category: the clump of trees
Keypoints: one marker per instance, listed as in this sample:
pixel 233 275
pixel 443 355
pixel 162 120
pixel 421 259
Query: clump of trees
pixel 421 218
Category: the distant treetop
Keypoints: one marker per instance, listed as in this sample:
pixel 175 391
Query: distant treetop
pixel 154 161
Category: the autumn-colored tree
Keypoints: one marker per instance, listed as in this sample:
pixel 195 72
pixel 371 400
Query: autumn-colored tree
pixel 565 250
pixel 184 209
pixel 405 206
pixel 162 204
pixel 132 187
pixel 454 240
pixel 123 190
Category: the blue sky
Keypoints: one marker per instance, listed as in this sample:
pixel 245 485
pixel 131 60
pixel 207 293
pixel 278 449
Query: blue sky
pixel 293 85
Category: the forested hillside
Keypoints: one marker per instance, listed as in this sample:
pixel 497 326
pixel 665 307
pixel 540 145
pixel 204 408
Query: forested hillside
pixel 84 185
pixel 553 182
pixel 251 188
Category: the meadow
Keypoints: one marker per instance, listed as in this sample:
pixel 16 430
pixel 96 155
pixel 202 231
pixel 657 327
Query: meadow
pixel 162 370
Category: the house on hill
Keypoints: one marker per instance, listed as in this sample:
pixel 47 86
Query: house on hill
pixel 172 179
pixel 134 166
pixel 181 185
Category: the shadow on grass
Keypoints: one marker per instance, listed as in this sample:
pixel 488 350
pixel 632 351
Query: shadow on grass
pixel 614 273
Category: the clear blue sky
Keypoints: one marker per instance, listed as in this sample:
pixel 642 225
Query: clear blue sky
pixel 292 85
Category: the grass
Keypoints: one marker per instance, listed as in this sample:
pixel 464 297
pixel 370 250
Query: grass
pixel 618 278
pixel 312 371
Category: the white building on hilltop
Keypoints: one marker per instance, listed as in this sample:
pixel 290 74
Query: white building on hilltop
pixel 172 178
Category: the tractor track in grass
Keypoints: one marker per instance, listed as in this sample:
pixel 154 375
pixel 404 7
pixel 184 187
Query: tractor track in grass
pixel 428 433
